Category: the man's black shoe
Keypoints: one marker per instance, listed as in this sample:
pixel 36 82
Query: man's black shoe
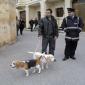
pixel 73 58
pixel 64 59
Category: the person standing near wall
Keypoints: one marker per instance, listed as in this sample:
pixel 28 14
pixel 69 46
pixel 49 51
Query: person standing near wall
pixel 21 25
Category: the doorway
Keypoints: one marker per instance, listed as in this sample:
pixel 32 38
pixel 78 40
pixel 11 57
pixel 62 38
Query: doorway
pixel 23 16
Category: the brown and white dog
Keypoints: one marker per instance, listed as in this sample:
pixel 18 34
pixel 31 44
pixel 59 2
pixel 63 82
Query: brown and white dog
pixel 45 58
pixel 26 65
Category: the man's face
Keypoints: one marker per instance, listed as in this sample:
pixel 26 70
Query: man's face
pixel 48 13
pixel 70 13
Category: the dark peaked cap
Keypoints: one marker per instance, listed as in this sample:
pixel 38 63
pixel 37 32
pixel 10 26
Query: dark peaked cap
pixel 71 9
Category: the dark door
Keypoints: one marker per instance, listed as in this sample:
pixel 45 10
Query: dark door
pixel 23 16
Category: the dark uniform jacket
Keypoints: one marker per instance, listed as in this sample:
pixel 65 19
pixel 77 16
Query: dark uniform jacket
pixel 72 26
pixel 44 27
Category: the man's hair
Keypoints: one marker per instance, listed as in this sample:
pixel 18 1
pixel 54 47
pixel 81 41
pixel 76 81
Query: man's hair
pixel 49 10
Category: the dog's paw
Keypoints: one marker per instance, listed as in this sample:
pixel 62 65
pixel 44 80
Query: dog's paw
pixel 46 66
pixel 34 71
pixel 39 72
pixel 54 60
pixel 42 68
pixel 27 75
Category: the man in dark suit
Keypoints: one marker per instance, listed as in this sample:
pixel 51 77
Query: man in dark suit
pixel 49 32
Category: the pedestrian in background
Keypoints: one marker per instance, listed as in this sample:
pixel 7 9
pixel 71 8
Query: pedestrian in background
pixel 72 25
pixel 31 22
pixel 21 25
pixel 49 32
pixel 36 23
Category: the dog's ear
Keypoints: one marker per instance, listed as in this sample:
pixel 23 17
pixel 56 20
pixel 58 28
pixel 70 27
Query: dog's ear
pixel 13 61
pixel 40 57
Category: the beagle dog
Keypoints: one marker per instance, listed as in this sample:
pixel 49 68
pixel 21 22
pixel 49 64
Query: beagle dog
pixel 26 65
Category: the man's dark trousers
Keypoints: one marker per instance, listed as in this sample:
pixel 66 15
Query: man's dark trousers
pixel 49 40
pixel 70 48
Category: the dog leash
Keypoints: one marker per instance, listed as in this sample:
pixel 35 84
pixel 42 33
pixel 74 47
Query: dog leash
pixel 36 48
pixel 38 45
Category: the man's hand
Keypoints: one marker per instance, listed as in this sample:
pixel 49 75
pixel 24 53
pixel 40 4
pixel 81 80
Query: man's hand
pixel 39 36
pixel 55 37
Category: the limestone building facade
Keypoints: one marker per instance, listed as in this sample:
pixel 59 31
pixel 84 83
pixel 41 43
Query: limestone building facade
pixel 29 9
pixel 7 22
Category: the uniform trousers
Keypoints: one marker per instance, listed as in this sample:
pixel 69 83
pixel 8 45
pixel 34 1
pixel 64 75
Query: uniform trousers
pixel 70 48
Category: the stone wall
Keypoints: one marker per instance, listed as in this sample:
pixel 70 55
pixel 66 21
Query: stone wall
pixel 7 22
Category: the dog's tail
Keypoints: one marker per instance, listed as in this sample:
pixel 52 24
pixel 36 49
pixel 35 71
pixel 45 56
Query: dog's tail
pixel 31 52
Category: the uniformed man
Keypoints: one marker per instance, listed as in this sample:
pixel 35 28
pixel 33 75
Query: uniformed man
pixel 72 25
pixel 49 32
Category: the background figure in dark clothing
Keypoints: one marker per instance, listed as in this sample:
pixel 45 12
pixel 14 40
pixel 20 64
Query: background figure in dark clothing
pixel 21 25
pixel 31 22
pixel 36 23
pixel 49 32
pixel 72 25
